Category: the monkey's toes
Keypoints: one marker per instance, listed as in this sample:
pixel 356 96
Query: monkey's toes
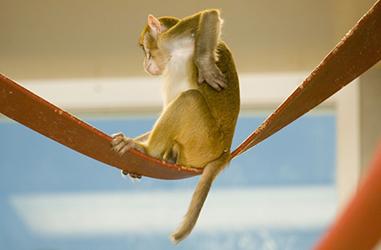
pixel 133 177
pixel 121 143
pixel 117 138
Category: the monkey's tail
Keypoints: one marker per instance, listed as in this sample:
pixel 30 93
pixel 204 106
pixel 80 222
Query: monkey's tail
pixel 210 172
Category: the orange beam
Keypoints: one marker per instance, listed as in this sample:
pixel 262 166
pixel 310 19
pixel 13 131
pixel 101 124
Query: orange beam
pixel 359 225
pixel 36 113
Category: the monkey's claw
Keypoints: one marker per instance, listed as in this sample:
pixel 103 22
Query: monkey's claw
pixel 133 177
pixel 213 76
pixel 121 144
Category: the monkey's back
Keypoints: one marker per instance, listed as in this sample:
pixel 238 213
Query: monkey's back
pixel 225 104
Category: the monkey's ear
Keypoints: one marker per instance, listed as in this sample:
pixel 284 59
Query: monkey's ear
pixel 154 24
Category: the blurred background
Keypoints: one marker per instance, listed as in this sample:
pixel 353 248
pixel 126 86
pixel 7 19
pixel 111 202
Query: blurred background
pixel 83 56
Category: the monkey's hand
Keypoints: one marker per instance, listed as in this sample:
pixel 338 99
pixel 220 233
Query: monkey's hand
pixel 210 73
pixel 121 144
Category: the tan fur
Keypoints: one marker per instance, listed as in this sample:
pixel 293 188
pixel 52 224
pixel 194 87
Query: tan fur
pixel 199 196
pixel 197 124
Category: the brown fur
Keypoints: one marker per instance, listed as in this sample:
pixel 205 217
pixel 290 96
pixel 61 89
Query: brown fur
pixel 196 128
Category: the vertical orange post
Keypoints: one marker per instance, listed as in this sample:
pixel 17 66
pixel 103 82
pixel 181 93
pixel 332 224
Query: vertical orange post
pixel 358 227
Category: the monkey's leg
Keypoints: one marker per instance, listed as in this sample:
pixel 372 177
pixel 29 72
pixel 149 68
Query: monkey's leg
pixel 172 154
pixel 187 126
pixel 142 137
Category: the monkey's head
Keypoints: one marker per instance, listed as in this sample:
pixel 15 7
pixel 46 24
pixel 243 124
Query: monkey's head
pixel 156 58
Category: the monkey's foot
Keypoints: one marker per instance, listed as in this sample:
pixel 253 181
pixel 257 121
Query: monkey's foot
pixel 121 144
pixel 134 177
pixel 211 74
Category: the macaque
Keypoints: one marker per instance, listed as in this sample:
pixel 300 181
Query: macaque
pixel 197 123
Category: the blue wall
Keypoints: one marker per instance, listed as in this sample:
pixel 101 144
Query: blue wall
pixel 301 154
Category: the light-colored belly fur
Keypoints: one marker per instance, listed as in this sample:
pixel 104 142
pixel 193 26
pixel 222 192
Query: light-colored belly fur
pixel 177 78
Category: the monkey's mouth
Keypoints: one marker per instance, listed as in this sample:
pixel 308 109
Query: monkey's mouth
pixel 153 72
pixel 148 67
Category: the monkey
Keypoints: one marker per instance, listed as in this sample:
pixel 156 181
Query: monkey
pixel 197 123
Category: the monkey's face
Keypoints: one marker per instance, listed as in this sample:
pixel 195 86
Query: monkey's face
pixel 155 60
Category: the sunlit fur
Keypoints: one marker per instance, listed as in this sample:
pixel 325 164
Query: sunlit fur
pixel 197 124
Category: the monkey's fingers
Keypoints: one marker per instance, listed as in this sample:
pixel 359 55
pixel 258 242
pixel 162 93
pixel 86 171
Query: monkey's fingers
pixel 201 78
pixel 127 146
pixel 117 137
pixel 220 81
pixel 219 78
pixel 214 81
pixel 214 85
pixel 135 177
pixel 212 76
pixel 210 79
pixel 216 78
pixel 115 141
pixel 121 143
pixel 119 147
pixel 132 176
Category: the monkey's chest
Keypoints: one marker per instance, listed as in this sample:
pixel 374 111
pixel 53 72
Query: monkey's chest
pixel 178 80
pixel 179 69
pixel 174 89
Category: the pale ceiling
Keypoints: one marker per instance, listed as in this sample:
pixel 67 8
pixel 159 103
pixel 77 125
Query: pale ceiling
pixel 94 38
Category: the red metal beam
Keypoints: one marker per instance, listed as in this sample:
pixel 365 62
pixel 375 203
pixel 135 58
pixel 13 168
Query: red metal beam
pixel 36 113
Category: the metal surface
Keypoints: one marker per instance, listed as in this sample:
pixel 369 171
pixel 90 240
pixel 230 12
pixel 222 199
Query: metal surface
pixel 36 113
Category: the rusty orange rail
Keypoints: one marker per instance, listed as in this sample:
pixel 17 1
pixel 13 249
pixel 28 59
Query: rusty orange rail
pixel 36 113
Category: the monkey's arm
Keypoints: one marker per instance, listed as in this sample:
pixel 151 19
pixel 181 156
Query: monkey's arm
pixel 142 137
pixel 205 26
pixel 207 36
